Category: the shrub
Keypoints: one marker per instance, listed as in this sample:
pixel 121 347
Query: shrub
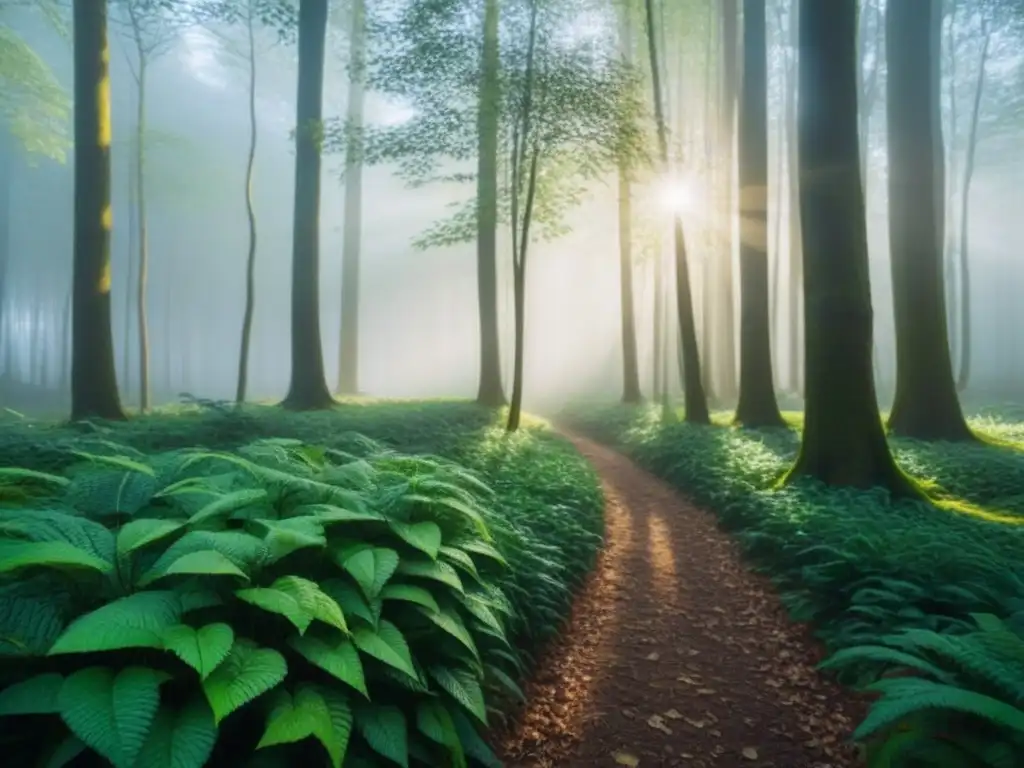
pixel 286 601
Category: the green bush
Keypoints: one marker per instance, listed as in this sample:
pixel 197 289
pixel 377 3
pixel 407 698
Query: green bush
pixel 290 602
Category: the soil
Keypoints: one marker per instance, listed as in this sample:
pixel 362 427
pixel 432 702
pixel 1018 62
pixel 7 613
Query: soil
pixel 676 654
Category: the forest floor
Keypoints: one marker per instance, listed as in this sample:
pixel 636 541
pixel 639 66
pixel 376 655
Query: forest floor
pixel 676 654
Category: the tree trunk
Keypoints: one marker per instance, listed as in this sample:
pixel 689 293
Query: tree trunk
pixel 65 343
pixel 695 400
pixel 925 405
pixel 658 316
pixel 129 284
pixel 952 170
pixel 348 353
pixel 93 379
pixel 730 85
pixel 490 392
pixel 143 263
pixel 843 440
pixel 964 371
pixel 757 405
pixel 308 387
pixel 250 261
pixel 6 178
pixel 796 293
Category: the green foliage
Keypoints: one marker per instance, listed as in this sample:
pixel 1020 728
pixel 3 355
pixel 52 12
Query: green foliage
pixel 864 570
pixel 270 580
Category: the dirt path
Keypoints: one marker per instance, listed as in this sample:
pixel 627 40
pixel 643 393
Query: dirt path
pixel 676 655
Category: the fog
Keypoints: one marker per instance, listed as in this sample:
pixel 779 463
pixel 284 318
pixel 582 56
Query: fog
pixel 419 324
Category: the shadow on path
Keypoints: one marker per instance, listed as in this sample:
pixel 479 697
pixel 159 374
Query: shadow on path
pixel 676 654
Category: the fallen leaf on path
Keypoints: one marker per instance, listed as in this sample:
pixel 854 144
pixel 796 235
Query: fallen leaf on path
pixel 750 753
pixel 626 759
pixel 673 714
pixel 653 656
pixel 695 723
pixel 657 722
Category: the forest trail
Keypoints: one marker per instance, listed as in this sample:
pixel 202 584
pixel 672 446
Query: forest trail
pixel 676 654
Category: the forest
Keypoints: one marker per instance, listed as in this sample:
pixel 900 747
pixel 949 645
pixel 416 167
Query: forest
pixel 527 383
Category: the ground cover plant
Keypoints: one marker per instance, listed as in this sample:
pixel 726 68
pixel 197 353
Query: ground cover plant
pixel 867 573
pixel 183 584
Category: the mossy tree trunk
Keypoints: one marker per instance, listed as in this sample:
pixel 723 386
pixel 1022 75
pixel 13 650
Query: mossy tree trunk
pixel 93 378
pixel 757 404
pixel 843 440
pixel 490 392
pixel 926 405
pixel 308 388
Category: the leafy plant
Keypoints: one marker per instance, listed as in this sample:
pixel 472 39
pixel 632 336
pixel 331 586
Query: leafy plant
pixel 286 600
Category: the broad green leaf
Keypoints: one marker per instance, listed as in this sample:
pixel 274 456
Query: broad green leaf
pixel 411 594
pixel 329 514
pixel 313 600
pixel 180 738
pixel 482 548
pixel 144 531
pixel 59 555
pixel 275 601
pixel 116 462
pixel 295 718
pixel 112 713
pixel 246 551
pixel 223 506
pixel 283 537
pixel 338 658
pixel 386 644
pixel 31 618
pixel 341 724
pixel 247 672
pixel 35 696
pixel 434 721
pixel 425 536
pixel 464 687
pixel 202 649
pixel 205 562
pixel 136 621
pixel 472 743
pixel 15 474
pixel 351 600
pixel 451 623
pixel 460 559
pixel 384 729
pixel 64 752
pixel 435 570
pixel 370 567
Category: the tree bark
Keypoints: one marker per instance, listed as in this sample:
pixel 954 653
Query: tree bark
pixel 695 400
pixel 757 404
pixel 250 210
pixel 6 177
pixel 308 388
pixel 348 353
pixel 93 378
pixel 727 313
pixel 796 344
pixel 964 371
pixel 490 392
pixel 925 406
pixel 843 440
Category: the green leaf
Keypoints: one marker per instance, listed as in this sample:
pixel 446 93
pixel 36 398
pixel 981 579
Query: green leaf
pixel 464 687
pixel 223 506
pixel 142 532
pixel 386 644
pixel 295 718
pixel 31 618
pixel 384 729
pixel 202 649
pixel 482 548
pixel 460 559
pixel 116 462
pixel 283 537
pixel 59 555
pixel 205 562
pixel 371 567
pixel 351 600
pixel 328 514
pixel 276 601
pixel 471 742
pixel 312 602
pixel 112 714
pixel 64 752
pixel 339 659
pixel 8 474
pixel 434 721
pixel 341 725
pixel 435 570
pixel 35 696
pixel 451 623
pixel 425 536
pixel 180 738
pixel 410 593
pixel 247 672
pixel 136 621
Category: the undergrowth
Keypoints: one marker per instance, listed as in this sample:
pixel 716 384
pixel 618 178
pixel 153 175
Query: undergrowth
pixel 864 570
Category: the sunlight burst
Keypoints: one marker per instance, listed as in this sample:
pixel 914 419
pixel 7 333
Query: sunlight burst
pixel 678 195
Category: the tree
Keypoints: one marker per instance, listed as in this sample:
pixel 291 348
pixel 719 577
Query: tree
pixel 348 352
pixel 695 399
pixel 308 387
pixel 757 405
pixel 925 405
pixel 843 439
pixel 93 378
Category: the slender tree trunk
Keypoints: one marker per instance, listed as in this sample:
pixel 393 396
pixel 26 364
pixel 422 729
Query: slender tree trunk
pixel 250 261
pixel 6 178
pixel 490 392
pixel 348 354
pixel 35 339
pixel 964 371
pixel 952 169
pixel 725 297
pixel 925 405
pixel 796 293
pixel 757 405
pixel 129 285
pixel 93 379
pixel 712 97
pixel 65 343
pixel 308 387
pixel 696 404
pixel 657 315
pixel 143 264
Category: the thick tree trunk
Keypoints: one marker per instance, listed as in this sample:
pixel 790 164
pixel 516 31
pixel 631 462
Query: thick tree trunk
pixel 757 404
pixel 727 386
pixel 93 378
pixel 242 386
pixel 348 353
pixel 925 405
pixel 490 392
pixel 308 388
pixel 695 400
pixel 964 371
pixel 843 440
